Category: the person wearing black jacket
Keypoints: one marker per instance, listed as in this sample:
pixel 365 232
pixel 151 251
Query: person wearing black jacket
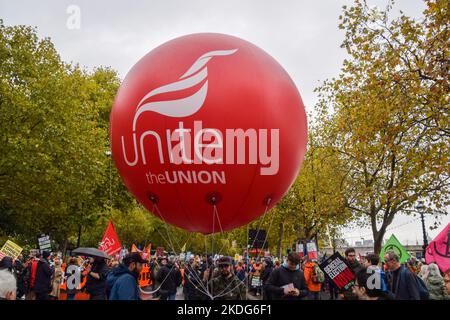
pixel 169 276
pixel 20 272
pixel 194 288
pixel 96 279
pixel 287 282
pixel 267 271
pixel 43 280
pixel 404 285
pixel 350 257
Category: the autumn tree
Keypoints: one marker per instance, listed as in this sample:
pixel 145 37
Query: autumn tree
pixel 54 171
pixel 387 112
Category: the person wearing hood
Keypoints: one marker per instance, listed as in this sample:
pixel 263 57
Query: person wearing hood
pixel 435 283
pixel 169 276
pixel 267 270
pixel 288 282
pixel 123 280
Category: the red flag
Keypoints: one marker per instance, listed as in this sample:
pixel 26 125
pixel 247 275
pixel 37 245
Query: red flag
pixel 134 248
pixel 110 242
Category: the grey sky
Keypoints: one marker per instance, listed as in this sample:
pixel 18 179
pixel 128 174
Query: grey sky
pixel 302 35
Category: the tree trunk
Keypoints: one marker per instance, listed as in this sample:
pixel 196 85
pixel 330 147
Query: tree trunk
pixel 378 235
pixel 280 239
pixel 64 249
pixel 79 236
pixel 377 244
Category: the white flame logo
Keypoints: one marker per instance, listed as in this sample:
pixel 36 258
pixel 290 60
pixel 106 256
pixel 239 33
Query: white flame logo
pixel 186 106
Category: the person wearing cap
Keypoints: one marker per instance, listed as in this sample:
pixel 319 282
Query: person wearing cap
pixel 123 280
pixel 169 277
pixel 226 286
pixel 447 280
pixel 43 278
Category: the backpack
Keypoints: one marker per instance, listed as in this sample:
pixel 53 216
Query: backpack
pixel 318 276
pixel 423 290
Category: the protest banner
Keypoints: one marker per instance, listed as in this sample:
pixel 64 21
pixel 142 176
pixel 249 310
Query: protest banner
pixel 256 281
pixel 44 242
pixel 394 245
pixel 311 249
pixel 300 249
pixel 10 249
pixel 339 272
pixel 110 243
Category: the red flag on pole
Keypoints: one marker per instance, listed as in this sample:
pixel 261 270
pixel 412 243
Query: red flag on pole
pixel 134 248
pixel 110 242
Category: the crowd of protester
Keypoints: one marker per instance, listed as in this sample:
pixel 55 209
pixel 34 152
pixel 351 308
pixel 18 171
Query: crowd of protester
pixel 203 277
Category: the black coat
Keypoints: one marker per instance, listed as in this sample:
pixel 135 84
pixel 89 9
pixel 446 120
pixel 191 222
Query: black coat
pixel 193 284
pixel 266 274
pixel 43 280
pixel 282 276
pixel 170 278
pixel 405 287
pixel 97 287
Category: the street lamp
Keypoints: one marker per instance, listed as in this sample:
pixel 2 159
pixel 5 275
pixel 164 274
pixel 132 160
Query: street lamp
pixel 421 208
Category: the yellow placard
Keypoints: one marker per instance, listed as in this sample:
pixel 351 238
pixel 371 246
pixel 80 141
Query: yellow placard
pixel 11 249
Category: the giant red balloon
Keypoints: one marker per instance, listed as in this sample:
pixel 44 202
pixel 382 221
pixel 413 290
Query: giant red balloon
pixel 208 120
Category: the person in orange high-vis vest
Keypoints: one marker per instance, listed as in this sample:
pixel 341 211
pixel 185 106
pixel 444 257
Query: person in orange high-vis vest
pixel 313 287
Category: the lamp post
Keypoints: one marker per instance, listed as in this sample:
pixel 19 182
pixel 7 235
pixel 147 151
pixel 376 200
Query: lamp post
pixel 108 153
pixel 421 208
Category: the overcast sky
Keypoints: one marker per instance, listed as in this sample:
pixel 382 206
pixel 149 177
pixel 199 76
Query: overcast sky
pixel 302 35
